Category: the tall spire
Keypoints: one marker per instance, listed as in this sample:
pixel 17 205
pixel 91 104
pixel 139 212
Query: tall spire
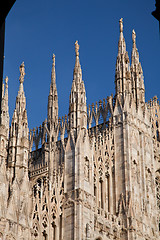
pixel 122 76
pixel 53 97
pixel 77 104
pixel 20 113
pixel 135 55
pixel 18 141
pixel 4 135
pixel 4 105
pixel 20 99
pixel 77 69
pixel 121 44
pixel 137 73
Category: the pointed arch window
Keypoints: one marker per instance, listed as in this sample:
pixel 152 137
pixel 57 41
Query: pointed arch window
pixel 101 193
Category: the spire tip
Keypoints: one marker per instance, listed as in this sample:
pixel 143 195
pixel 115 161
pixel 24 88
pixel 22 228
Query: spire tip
pixel 133 36
pixel 121 24
pixel 6 80
pixel 22 72
pixel 53 58
pixel 77 48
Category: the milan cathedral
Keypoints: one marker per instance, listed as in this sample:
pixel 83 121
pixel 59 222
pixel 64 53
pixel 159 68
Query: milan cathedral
pixel 93 174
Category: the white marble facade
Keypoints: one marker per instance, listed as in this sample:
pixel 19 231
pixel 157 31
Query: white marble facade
pixel 91 175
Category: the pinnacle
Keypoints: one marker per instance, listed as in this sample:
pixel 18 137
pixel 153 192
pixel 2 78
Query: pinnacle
pixel 53 74
pixel 22 72
pixel 6 80
pixel 53 58
pixel 53 97
pixel 121 44
pixel 77 68
pixel 121 24
pixel 134 37
pixel 77 48
pixel 135 55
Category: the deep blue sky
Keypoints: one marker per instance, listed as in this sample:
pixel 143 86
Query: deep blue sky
pixel 35 29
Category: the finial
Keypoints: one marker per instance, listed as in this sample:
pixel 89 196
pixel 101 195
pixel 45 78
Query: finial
pixel 133 36
pixel 53 58
pixel 77 48
pixel 121 24
pixel 22 72
pixel 6 81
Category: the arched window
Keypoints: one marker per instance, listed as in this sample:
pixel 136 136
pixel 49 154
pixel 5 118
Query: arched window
pixel 108 192
pixel 54 230
pixel 95 190
pixel 60 226
pixel 157 133
pixel 101 193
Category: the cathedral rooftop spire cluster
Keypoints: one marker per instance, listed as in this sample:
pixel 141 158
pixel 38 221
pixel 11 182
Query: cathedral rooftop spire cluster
pixel 93 174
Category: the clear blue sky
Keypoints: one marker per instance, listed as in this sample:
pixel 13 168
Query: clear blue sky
pixel 35 29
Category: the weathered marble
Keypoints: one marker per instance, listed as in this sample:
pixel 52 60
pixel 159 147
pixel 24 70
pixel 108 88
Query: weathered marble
pixel 91 175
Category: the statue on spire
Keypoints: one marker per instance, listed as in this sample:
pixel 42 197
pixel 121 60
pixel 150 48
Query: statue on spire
pixel 121 24
pixel 133 36
pixel 53 58
pixel 22 72
pixel 6 81
pixel 77 48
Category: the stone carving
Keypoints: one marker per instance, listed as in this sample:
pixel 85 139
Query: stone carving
pixel 133 36
pixel 93 174
pixel 77 48
pixel 22 73
pixel 121 24
pixel 88 231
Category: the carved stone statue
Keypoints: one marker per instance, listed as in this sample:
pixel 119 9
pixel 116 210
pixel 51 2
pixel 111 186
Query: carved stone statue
pixel 121 24
pixel 88 231
pixel 22 72
pixel 77 48
pixel 133 36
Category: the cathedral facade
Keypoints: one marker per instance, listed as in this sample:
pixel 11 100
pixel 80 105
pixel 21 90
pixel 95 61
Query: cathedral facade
pixel 93 174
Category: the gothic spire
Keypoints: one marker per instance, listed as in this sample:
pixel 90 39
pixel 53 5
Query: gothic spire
pixel 20 109
pixel 4 105
pixel 18 140
pixel 78 95
pixel 137 73
pixel 53 97
pixel 135 55
pixel 122 76
pixel 121 44
pixel 21 100
pixel 21 78
pixel 77 69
